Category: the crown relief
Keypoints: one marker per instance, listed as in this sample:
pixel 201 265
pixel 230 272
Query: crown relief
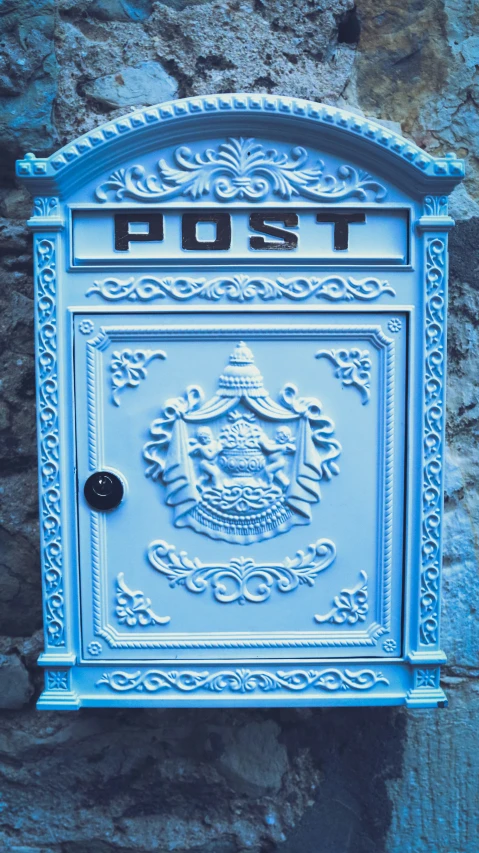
pixel 240 466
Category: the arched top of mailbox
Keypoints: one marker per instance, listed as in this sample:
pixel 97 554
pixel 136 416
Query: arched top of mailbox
pixel 294 120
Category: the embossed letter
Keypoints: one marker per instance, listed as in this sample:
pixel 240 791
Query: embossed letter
pixel 124 236
pixel 223 231
pixel 257 222
pixel 341 223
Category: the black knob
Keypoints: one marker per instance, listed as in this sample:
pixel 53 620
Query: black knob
pixel 103 490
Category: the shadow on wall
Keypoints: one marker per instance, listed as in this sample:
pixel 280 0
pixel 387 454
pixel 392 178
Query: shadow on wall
pixel 208 781
pixel 357 750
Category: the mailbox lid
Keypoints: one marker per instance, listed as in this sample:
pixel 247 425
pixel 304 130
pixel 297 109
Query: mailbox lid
pixel 263 461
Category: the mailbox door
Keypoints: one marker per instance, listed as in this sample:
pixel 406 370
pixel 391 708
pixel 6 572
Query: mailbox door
pixel 260 462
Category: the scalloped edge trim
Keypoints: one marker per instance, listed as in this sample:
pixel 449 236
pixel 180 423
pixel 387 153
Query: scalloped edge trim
pixel 448 166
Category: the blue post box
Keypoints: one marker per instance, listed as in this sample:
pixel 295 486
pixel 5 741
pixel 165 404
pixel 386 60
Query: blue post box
pixel 240 338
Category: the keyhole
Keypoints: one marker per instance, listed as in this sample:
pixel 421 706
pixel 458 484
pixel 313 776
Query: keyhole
pixel 103 490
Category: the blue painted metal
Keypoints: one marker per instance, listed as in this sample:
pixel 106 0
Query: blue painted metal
pixel 240 305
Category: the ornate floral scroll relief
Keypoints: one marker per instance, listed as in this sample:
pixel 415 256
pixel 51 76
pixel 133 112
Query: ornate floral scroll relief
pixel 242 680
pixel 240 288
pixel 134 608
pixel 242 579
pixel 241 169
pixel 128 368
pixel 245 480
pixel 353 368
pixel 351 605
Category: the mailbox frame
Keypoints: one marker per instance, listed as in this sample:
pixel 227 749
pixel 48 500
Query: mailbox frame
pixel 410 676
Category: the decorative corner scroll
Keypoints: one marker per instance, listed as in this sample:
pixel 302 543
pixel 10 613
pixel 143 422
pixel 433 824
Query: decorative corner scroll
pixel 240 288
pixel 134 608
pixel 353 368
pixel 351 605
pixel 241 169
pixel 47 378
pixel 242 579
pixel 128 368
pixel 241 680
pixel 432 440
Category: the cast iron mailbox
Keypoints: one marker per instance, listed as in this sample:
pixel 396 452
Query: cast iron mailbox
pixel 241 359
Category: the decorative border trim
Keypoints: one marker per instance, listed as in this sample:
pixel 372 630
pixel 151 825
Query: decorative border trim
pixel 93 365
pixel 49 441
pixel 241 680
pixel 97 557
pixel 309 640
pixel 317 114
pixel 388 495
pixel 433 431
pixel 99 344
pixel 240 288
pixel 373 333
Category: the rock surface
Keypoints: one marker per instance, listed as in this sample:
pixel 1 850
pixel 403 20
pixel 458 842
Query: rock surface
pixel 290 781
pixel 15 686
pixel 148 84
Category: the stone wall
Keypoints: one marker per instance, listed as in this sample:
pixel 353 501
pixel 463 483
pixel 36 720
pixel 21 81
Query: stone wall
pixel 292 781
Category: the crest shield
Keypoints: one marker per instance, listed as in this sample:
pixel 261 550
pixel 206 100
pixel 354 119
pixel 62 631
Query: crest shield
pixel 240 466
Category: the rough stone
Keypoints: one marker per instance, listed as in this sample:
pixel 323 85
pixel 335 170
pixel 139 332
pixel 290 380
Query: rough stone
pixel 434 808
pixel 462 205
pixel 461 551
pixel 28 74
pixel 416 65
pixel 253 760
pixel 15 687
pixel 460 630
pixel 295 48
pixel 146 84
pixel 205 48
pixel 20 602
pixel 149 781
pixel 121 10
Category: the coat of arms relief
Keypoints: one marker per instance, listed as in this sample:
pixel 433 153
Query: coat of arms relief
pixel 240 466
